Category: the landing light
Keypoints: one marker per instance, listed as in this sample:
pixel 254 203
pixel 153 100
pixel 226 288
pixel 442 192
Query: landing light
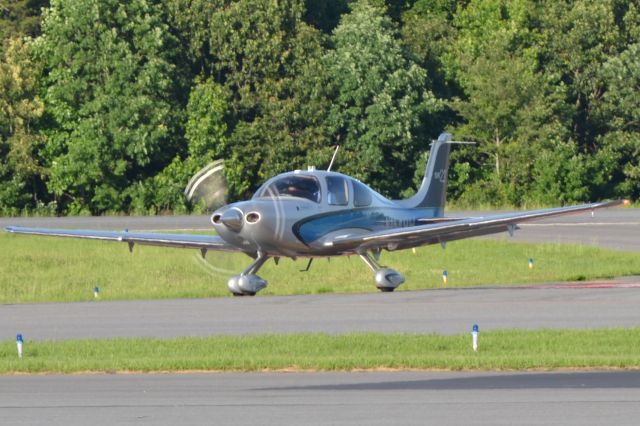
pixel 252 217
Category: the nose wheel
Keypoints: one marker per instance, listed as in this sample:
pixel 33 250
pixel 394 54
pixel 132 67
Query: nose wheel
pixel 386 279
pixel 248 283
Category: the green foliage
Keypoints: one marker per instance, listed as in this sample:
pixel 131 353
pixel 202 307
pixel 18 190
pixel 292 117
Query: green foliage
pixel 377 99
pixel 113 92
pixel 428 32
pixel 578 38
pixel 620 110
pixel 21 109
pixel 509 107
pixel 325 14
pixel 190 21
pixel 116 104
pixel 252 47
pixel 206 134
pixel 260 51
pixel 557 176
pixel 618 163
pixel 19 18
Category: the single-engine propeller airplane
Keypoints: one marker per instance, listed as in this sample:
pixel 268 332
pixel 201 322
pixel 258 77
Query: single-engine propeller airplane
pixel 317 213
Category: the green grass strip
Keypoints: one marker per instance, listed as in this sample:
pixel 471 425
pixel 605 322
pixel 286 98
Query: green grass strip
pixel 38 269
pixel 499 350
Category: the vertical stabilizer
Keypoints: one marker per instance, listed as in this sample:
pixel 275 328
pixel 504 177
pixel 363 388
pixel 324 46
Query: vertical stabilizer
pixel 433 191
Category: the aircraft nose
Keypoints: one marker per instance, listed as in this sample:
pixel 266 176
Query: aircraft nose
pixel 232 219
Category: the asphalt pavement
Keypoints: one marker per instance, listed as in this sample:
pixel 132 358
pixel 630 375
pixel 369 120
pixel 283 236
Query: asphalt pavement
pixel 373 398
pixel 446 311
pixel 382 398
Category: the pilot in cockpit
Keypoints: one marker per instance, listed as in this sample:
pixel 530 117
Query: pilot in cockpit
pixel 295 191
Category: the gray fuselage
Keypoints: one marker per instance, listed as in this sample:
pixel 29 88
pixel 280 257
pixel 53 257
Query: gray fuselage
pixel 294 213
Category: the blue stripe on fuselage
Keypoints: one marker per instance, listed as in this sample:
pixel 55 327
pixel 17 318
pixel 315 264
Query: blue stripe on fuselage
pixel 370 219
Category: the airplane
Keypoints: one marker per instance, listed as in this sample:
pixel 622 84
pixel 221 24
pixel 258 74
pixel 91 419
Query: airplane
pixel 317 213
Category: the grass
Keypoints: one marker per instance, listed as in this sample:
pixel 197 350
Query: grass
pixel 39 269
pixel 499 350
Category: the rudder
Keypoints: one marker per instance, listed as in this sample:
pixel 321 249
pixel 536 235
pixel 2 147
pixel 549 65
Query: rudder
pixel 433 190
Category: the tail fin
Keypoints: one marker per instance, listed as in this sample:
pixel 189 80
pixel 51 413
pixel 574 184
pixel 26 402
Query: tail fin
pixel 433 191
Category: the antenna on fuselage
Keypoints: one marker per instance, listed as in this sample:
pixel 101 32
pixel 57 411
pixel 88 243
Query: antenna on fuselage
pixel 333 158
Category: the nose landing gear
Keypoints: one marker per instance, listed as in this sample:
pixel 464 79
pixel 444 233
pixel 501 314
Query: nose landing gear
pixel 248 283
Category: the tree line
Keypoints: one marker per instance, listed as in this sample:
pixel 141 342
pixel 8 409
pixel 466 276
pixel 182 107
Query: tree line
pixel 110 106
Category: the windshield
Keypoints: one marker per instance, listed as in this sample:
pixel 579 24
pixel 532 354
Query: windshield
pixel 294 186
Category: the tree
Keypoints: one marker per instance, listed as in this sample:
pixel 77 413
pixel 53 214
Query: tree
pixel 620 109
pixel 21 109
pixel 428 32
pixel 206 135
pixel 584 45
pixel 115 96
pixel 580 36
pixel 19 18
pixel 325 14
pixel 377 100
pixel 509 106
pixel 260 50
pixel 190 20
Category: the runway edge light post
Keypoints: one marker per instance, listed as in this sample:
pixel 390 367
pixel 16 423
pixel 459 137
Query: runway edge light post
pixel 474 337
pixel 19 343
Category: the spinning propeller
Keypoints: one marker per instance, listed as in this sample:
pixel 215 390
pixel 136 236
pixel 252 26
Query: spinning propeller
pixel 208 187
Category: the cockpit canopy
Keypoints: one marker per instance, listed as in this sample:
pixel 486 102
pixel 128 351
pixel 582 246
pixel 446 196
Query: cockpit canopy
pixel 333 189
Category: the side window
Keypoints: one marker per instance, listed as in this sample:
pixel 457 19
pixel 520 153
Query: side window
pixel 337 193
pixel 361 194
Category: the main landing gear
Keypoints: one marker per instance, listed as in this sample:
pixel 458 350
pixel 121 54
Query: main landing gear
pixel 248 283
pixel 387 279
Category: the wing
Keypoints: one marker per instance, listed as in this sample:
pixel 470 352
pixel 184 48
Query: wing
pixel 202 242
pixel 413 236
